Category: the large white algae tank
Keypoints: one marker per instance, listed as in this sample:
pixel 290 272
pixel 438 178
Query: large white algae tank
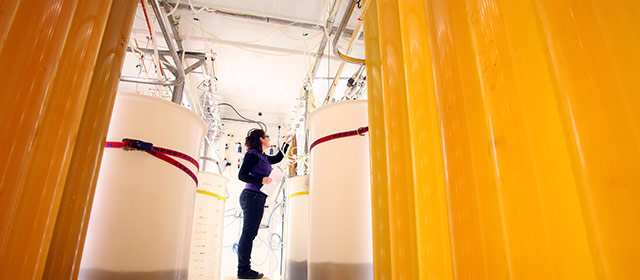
pixel 297 218
pixel 208 224
pixel 340 238
pixel 140 225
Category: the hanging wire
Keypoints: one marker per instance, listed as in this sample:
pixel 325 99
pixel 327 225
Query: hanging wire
pixel 261 124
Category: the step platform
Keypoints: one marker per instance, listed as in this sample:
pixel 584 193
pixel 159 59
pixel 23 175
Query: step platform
pixel 236 278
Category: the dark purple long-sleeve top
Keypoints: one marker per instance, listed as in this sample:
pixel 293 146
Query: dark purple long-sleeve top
pixel 257 165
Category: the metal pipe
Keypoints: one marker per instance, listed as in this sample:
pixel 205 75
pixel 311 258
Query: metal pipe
pixel 167 64
pixel 187 54
pixel 177 91
pixel 325 39
pixel 187 70
pixel 194 66
pixel 264 19
pixel 330 78
pixel 173 25
pixel 207 158
pixel 179 88
pixel 280 187
pixel 332 88
pixel 162 22
pixel 150 81
pixel 239 45
pixel 179 79
pixel 314 70
pixel 304 125
pixel 319 54
pixel 204 157
pixel 284 205
pixel 336 38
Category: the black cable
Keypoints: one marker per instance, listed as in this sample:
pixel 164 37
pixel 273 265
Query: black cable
pixel 261 124
pixel 244 121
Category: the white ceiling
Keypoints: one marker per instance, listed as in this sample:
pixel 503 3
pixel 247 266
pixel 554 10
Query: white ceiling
pixel 260 66
pixel 303 11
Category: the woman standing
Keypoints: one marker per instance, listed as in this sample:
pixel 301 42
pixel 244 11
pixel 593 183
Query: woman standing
pixel 255 171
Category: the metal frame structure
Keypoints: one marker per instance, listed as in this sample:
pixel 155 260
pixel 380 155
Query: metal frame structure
pixel 178 71
pixel 341 28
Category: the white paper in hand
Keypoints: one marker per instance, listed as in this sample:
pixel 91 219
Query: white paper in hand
pixel 276 176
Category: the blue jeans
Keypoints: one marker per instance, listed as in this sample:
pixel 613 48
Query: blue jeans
pixel 252 204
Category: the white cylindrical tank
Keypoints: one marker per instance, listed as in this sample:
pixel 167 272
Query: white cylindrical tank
pixel 140 223
pixel 340 239
pixel 208 223
pixel 297 218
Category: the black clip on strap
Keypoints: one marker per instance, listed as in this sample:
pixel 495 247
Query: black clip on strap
pixel 134 144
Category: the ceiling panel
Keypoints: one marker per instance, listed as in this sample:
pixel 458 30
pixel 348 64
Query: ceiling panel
pixel 306 11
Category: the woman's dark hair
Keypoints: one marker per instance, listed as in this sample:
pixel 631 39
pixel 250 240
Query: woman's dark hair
pixel 253 140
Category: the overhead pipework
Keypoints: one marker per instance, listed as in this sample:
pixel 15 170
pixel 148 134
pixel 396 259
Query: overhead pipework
pixel 309 80
pixel 205 104
pixel 179 73
pixel 341 28
pixel 358 29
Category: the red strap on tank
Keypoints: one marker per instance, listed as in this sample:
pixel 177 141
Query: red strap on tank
pixel 158 152
pixel 360 131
